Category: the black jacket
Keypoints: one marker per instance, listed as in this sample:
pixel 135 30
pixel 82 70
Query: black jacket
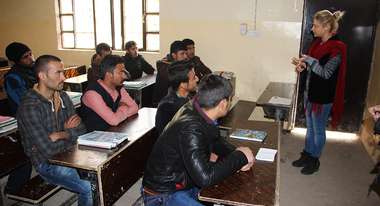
pixel 136 66
pixel 162 79
pixel 180 157
pixel 200 68
pixel 167 108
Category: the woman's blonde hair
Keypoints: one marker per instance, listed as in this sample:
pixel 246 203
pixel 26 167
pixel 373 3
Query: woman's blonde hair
pixel 326 18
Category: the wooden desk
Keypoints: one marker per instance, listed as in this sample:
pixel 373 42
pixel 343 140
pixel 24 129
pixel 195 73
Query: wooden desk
pixel 276 111
pixel 241 111
pixel 112 172
pixel 76 84
pixel 143 95
pixel 259 186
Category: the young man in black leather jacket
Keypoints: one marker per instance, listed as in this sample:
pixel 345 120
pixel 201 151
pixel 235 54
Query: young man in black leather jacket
pixel 180 162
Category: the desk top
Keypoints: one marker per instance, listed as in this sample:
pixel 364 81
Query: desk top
pixel 238 115
pixel 77 80
pixel 280 89
pixel 146 80
pixel 93 158
pixel 254 187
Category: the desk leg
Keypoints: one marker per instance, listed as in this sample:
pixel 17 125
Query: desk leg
pixel 93 178
pixel 277 191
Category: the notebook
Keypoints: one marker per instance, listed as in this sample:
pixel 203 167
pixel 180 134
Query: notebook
pixel 265 154
pixel 280 100
pixel 134 84
pixel 107 140
pixel 248 134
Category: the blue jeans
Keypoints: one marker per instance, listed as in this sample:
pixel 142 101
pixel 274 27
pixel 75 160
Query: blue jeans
pixel 182 197
pixel 316 122
pixel 69 179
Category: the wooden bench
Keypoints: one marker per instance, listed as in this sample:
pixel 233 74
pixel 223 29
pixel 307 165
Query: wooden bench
pixel 35 191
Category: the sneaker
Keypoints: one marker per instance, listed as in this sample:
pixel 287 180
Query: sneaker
pixel 311 167
pixel 302 161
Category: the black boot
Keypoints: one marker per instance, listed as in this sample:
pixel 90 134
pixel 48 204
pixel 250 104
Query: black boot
pixel 311 166
pixel 301 162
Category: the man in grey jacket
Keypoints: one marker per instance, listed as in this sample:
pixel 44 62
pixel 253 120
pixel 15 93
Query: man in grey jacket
pixel 48 125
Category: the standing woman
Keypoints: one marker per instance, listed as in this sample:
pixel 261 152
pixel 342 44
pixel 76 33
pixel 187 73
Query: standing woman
pixel 326 70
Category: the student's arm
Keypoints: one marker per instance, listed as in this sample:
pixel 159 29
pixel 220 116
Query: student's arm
pixel 79 128
pixel 95 102
pixel 127 103
pixel 15 88
pixel 222 147
pixel 146 67
pixel 325 71
pixel 194 152
pixel 29 121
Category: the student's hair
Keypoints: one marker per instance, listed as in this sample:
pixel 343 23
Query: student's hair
pixel 108 64
pixel 212 89
pixel 177 46
pixel 326 18
pixel 130 44
pixel 102 47
pixel 42 62
pixel 188 42
pixel 178 73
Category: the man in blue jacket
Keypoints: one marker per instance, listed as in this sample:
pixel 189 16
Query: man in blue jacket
pixel 21 77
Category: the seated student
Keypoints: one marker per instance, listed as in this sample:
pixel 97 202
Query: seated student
pixel 135 63
pixel 18 80
pixel 106 103
pixel 177 53
pixel 180 162
pixel 21 77
pixel 102 50
pixel 48 125
pixel 182 81
pixel 200 68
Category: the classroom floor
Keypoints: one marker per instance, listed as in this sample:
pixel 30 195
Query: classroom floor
pixel 343 178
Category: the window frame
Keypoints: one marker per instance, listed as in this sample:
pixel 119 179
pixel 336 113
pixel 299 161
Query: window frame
pixel 144 34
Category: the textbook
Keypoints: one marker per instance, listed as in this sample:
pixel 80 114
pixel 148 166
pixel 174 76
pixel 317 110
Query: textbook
pixel 248 134
pixel 7 124
pixel 107 140
pixel 265 154
pixel 134 84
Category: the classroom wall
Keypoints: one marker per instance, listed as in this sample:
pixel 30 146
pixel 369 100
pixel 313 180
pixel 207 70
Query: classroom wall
pixel 214 25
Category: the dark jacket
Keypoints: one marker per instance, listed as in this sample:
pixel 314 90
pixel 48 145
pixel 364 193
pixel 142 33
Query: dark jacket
pixel 90 118
pixel 180 157
pixel 200 68
pixel 93 72
pixel 136 66
pixel 36 119
pixel 17 82
pixel 162 79
pixel 167 108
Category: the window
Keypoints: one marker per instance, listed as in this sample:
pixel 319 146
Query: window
pixel 86 23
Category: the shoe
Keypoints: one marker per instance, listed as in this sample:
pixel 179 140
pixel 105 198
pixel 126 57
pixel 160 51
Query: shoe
pixel 301 162
pixel 311 166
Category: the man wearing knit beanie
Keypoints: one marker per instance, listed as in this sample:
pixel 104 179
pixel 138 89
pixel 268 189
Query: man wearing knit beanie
pixel 18 80
pixel 21 77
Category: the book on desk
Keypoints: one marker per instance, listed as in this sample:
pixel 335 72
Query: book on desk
pixel 249 134
pixel 102 139
pixel 7 124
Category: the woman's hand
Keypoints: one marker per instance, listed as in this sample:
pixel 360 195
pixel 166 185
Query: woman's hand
pixel 299 63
